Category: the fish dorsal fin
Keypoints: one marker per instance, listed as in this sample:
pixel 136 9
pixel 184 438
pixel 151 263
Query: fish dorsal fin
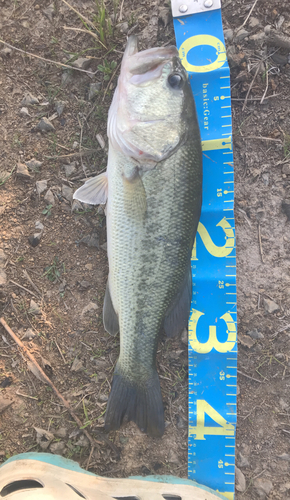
pixel 94 191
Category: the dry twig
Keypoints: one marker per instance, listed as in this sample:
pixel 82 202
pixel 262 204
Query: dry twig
pixel 260 243
pixel 248 376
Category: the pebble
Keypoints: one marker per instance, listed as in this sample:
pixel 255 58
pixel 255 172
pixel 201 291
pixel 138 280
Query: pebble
pixel 263 486
pixel 59 107
pixel 77 365
pixel 49 198
pixel 240 480
pixel 82 441
pixel 40 186
pixel 104 246
pixel 173 457
pixel 67 192
pixel 70 169
pixel 49 12
pixel 6 51
pixel 29 100
pixel 284 456
pixel 22 172
pixel 58 448
pixel 3 277
pixel 123 27
pixel 103 398
pixel 94 89
pixel 246 341
pixel 75 145
pixel 61 432
pixel 91 240
pixel 254 22
pixel 89 267
pixel 24 111
pixel 270 306
pixel 33 164
pixel 44 125
pixel 284 405
pixel 286 207
pixel 81 63
pixel 89 308
pixel 255 334
pixel 84 285
pixel 43 437
pixel 34 308
pixel 241 34
pixel 242 461
pixel 101 140
pixel 34 239
pixel 228 34
pixel 29 334
pixel 286 169
pixel 76 206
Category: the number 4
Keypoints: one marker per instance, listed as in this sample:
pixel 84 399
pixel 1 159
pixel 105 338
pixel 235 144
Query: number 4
pixel 200 430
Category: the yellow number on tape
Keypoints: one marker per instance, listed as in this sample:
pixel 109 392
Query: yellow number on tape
pixel 212 342
pixel 213 249
pixel 200 430
pixel 196 41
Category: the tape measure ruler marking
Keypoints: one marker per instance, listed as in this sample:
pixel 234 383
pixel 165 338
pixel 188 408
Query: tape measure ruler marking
pixel 213 321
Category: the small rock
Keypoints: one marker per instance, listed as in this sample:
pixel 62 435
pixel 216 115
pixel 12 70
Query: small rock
pixel 24 112
pixel 266 178
pixel 234 59
pixel 84 285
pixel 165 16
pixel 34 308
pixel 2 257
pixel 75 145
pixel 29 100
pixel 270 306
pixel 76 206
pixel 6 51
pixel 34 239
pixel 184 336
pixel 89 267
pixel 255 334
pixel 173 457
pixel 104 246
pixel 242 461
pixel 22 172
pixel 44 125
pixel 286 169
pixel 3 277
pixel 284 456
pixel 100 140
pixel 49 12
pixel 70 169
pixel 82 441
pixel 89 308
pixel 100 364
pixel 67 192
pixel 241 34
pixel 33 165
pixel 254 22
pixel 246 341
pixel 263 486
pixel 43 437
pixel 180 422
pixel 49 198
pixel 39 225
pixel 286 208
pixel 61 432
pixel 91 240
pixel 58 448
pixel 81 63
pixel 29 334
pixel 240 480
pixel 284 405
pixel 101 210
pixel 77 365
pixel 228 34
pixel 123 27
pixel 94 89
pixel 103 398
pixel 41 186
pixel 59 107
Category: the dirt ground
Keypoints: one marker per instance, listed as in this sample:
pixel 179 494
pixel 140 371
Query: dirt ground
pixel 52 289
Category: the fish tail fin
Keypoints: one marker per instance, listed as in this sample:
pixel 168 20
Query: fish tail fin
pixel 141 403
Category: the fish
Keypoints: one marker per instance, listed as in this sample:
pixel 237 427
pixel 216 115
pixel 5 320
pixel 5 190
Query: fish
pixel 153 191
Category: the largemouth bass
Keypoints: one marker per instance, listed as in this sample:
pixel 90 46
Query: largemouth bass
pixel 153 190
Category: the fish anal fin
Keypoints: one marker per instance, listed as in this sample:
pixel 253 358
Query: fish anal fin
pixel 110 318
pixel 94 191
pixel 176 318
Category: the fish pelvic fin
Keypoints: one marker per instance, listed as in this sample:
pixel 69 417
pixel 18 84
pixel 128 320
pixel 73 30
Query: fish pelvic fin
pixel 94 191
pixel 140 403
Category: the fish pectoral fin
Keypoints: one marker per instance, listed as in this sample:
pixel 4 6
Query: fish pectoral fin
pixel 135 202
pixel 110 318
pixel 94 191
pixel 176 318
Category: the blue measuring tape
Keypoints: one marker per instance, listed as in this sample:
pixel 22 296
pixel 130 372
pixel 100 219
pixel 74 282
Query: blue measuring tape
pixel 213 317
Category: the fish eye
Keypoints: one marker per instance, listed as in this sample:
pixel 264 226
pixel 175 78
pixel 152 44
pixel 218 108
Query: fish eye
pixel 175 81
